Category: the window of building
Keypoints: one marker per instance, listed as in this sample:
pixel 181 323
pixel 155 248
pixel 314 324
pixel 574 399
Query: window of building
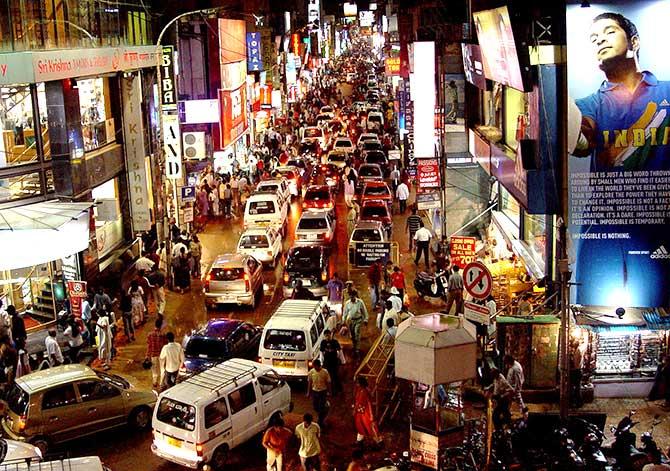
pixel 96 121
pixel 18 144
pixel 514 110
pixel 108 217
pixel 136 28
pixel 20 186
pixel 535 233
pixel 510 207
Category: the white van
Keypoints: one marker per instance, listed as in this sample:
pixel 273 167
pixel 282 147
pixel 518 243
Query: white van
pixel 292 337
pixel 266 210
pixel 88 463
pixel 198 421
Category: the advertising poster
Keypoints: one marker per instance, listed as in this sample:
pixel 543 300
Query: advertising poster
pixel 76 291
pixel 254 52
pixel 619 162
pixel 454 117
pixel 473 66
pixel 232 40
pixel 423 448
pixel 428 173
pixel 233 114
pixel 462 250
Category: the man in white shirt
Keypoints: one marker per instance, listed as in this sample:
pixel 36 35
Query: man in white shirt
pixel 176 248
pixel 402 193
pixel 422 238
pixel 502 393
pixel 54 353
pixel 171 359
pixel 310 448
pixel 515 378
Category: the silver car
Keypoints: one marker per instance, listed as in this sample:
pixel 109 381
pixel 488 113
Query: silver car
pixel 234 279
pixel 315 228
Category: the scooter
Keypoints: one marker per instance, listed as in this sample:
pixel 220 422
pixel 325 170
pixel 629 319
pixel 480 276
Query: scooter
pixel 434 286
pixel 396 462
pixel 623 450
pixel 649 446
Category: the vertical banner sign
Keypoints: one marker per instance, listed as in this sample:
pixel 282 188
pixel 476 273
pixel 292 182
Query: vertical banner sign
pixel 428 173
pixel 254 57
pixel 76 291
pixel 462 250
pixel 268 55
pixel 410 158
pixel 619 162
pixel 172 146
pixel 168 85
pixel 423 97
pixel 233 114
pixel 402 104
pixel 133 138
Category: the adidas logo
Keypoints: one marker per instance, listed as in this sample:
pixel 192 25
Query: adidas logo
pixel 665 102
pixel 660 252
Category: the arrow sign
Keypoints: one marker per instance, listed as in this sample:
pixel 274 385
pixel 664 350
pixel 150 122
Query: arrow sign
pixel 477 280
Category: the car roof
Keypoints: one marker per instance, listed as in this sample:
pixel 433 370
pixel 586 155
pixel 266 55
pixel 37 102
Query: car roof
pixel 367 164
pixel 220 327
pixel 271 181
pixel 318 248
pixel 44 379
pixel 215 381
pixel 374 202
pixel 294 313
pixel 262 196
pixel 343 138
pixel 375 183
pixel 255 231
pixel 230 259
pixel 286 168
pixel 318 187
pixel 367 224
pixel 314 214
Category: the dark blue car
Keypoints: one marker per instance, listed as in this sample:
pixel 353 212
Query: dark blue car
pixel 219 340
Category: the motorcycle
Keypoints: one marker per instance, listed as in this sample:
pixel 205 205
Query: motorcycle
pixel 395 462
pixel 624 452
pixel 649 446
pixel 434 286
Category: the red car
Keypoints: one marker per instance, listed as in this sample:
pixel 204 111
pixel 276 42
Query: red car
pixel 377 210
pixel 318 197
pixel 375 190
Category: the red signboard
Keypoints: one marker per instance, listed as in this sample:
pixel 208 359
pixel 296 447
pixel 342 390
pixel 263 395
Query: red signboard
pixel 462 250
pixel 76 290
pixel 295 43
pixel 232 40
pixel 233 104
pixel 392 66
pixel 428 173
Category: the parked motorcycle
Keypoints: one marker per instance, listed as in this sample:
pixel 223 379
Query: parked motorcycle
pixel 649 446
pixel 395 462
pixel 624 452
pixel 434 286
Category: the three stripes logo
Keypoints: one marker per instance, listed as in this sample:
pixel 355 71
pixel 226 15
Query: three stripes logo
pixel 660 252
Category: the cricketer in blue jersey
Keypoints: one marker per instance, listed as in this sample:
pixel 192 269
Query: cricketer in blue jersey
pixel 625 126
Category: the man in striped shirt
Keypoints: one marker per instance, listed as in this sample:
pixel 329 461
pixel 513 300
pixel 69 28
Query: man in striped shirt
pixel 413 224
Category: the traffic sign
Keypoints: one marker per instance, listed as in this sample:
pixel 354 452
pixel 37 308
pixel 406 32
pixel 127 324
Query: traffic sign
pixel 476 313
pixel 477 280
pixel 188 194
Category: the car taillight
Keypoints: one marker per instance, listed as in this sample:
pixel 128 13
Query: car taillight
pixel 324 276
pixel 247 284
pixel 285 278
pixel 309 364
pixel 199 449
pixel 208 278
pixel 329 205
pixel 21 423
pixel 304 204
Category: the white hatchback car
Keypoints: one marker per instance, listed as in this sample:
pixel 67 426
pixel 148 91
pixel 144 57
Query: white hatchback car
pixel 344 144
pixel 367 136
pixel 264 244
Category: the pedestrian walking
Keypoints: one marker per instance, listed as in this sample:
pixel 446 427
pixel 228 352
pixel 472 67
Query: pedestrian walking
pixel 309 434
pixel 355 314
pixel 332 354
pixel 160 298
pixel 195 248
pixel 74 339
pixel 275 441
pixel 171 359
pixel 214 200
pixel 18 325
pixel 357 463
pixel 395 179
pixel 138 307
pixel 318 386
pixel 501 393
pixel 422 238
pixel 156 340
pixel 227 200
pixel 9 358
pixel 104 333
pixel 53 351
pixel 352 218
pixel 455 290
pixel 102 301
pixel 515 378
pixel 398 281
pixel 375 275
pixel 180 265
pixel 23 360
pixel 349 190
pixel 366 425
pixel 126 307
pixel 413 225
pixel 402 193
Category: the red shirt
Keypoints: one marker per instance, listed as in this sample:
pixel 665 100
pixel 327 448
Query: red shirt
pixel 398 279
pixel 155 342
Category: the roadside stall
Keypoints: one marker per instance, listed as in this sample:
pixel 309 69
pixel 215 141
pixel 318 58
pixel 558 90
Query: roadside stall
pixel 426 349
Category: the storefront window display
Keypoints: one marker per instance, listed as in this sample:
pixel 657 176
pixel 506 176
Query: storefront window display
pixel 514 115
pixel 19 187
pixel 94 106
pixel 108 217
pixel 18 143
pixel 535 233
pixel 510 207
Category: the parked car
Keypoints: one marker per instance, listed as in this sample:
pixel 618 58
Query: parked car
pixel 264 244
pixel 376 157
pixel 377 190
pixel 315 228
pixel 68 402
pixel 266 210
pixel 303 165
pixel 369 146
pixel 366 231
pixel 328 174
pixel 311 264
pixel 219 340
pixel 318 197
pixel 344 144
pixel 14 451
pixel 377 210
pixel 234 279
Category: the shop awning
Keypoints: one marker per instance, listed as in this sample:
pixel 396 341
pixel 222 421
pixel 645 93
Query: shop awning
pixel 42 232
pixel 599 319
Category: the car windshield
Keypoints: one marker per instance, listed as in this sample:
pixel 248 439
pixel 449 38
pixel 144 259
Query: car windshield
pixel 304 258
pixel 226 274
pixel 374 212
pixel 375 118
pixel 337 157
pixel 313 223
pixel 288 174
pixel 203 347
pixel 313 132
pixel 372 145
pixel 366 235
pixel 250 241
pixel 268 188
pixel 287 340
pixel 116 380
pixel 375 158
pixel 342 143
pixel 317 194
pixel 17 400
pixel 377 190
pixel 176 413
pixel 261 207
pixel 369 171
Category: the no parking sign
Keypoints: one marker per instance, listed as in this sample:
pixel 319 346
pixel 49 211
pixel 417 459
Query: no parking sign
pixel 477 280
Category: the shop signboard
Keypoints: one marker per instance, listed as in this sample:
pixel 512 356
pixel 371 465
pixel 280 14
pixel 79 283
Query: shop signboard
pixel 133 138
pixel 366 253
pixel 392 66
pixel 619 162
pixel 168 86
pixel 172 146
pixel 428 173
pixel 473 65
pixel 233 114
pixel 423 448
pixel 394 154
pixel 76 291
pixel 430 199
pixel 232 36
pixel 254 54
pixel 295 44
pixel 268 55
pixel 410 157
pixel 366 18
pixel 462 250
pixel 476 313
pixel 423 98
pixel 187 213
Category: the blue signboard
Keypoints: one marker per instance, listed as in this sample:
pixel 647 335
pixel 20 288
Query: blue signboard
pixel 254 52
pixel 188 194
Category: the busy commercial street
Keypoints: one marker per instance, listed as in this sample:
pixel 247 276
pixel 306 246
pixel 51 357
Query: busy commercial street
pixel 316 235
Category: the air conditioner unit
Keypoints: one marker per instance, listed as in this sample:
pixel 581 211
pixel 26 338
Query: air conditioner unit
pixel 194 145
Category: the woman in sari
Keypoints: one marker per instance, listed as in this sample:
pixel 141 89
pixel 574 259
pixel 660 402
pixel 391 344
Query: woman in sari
pixel 366 426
